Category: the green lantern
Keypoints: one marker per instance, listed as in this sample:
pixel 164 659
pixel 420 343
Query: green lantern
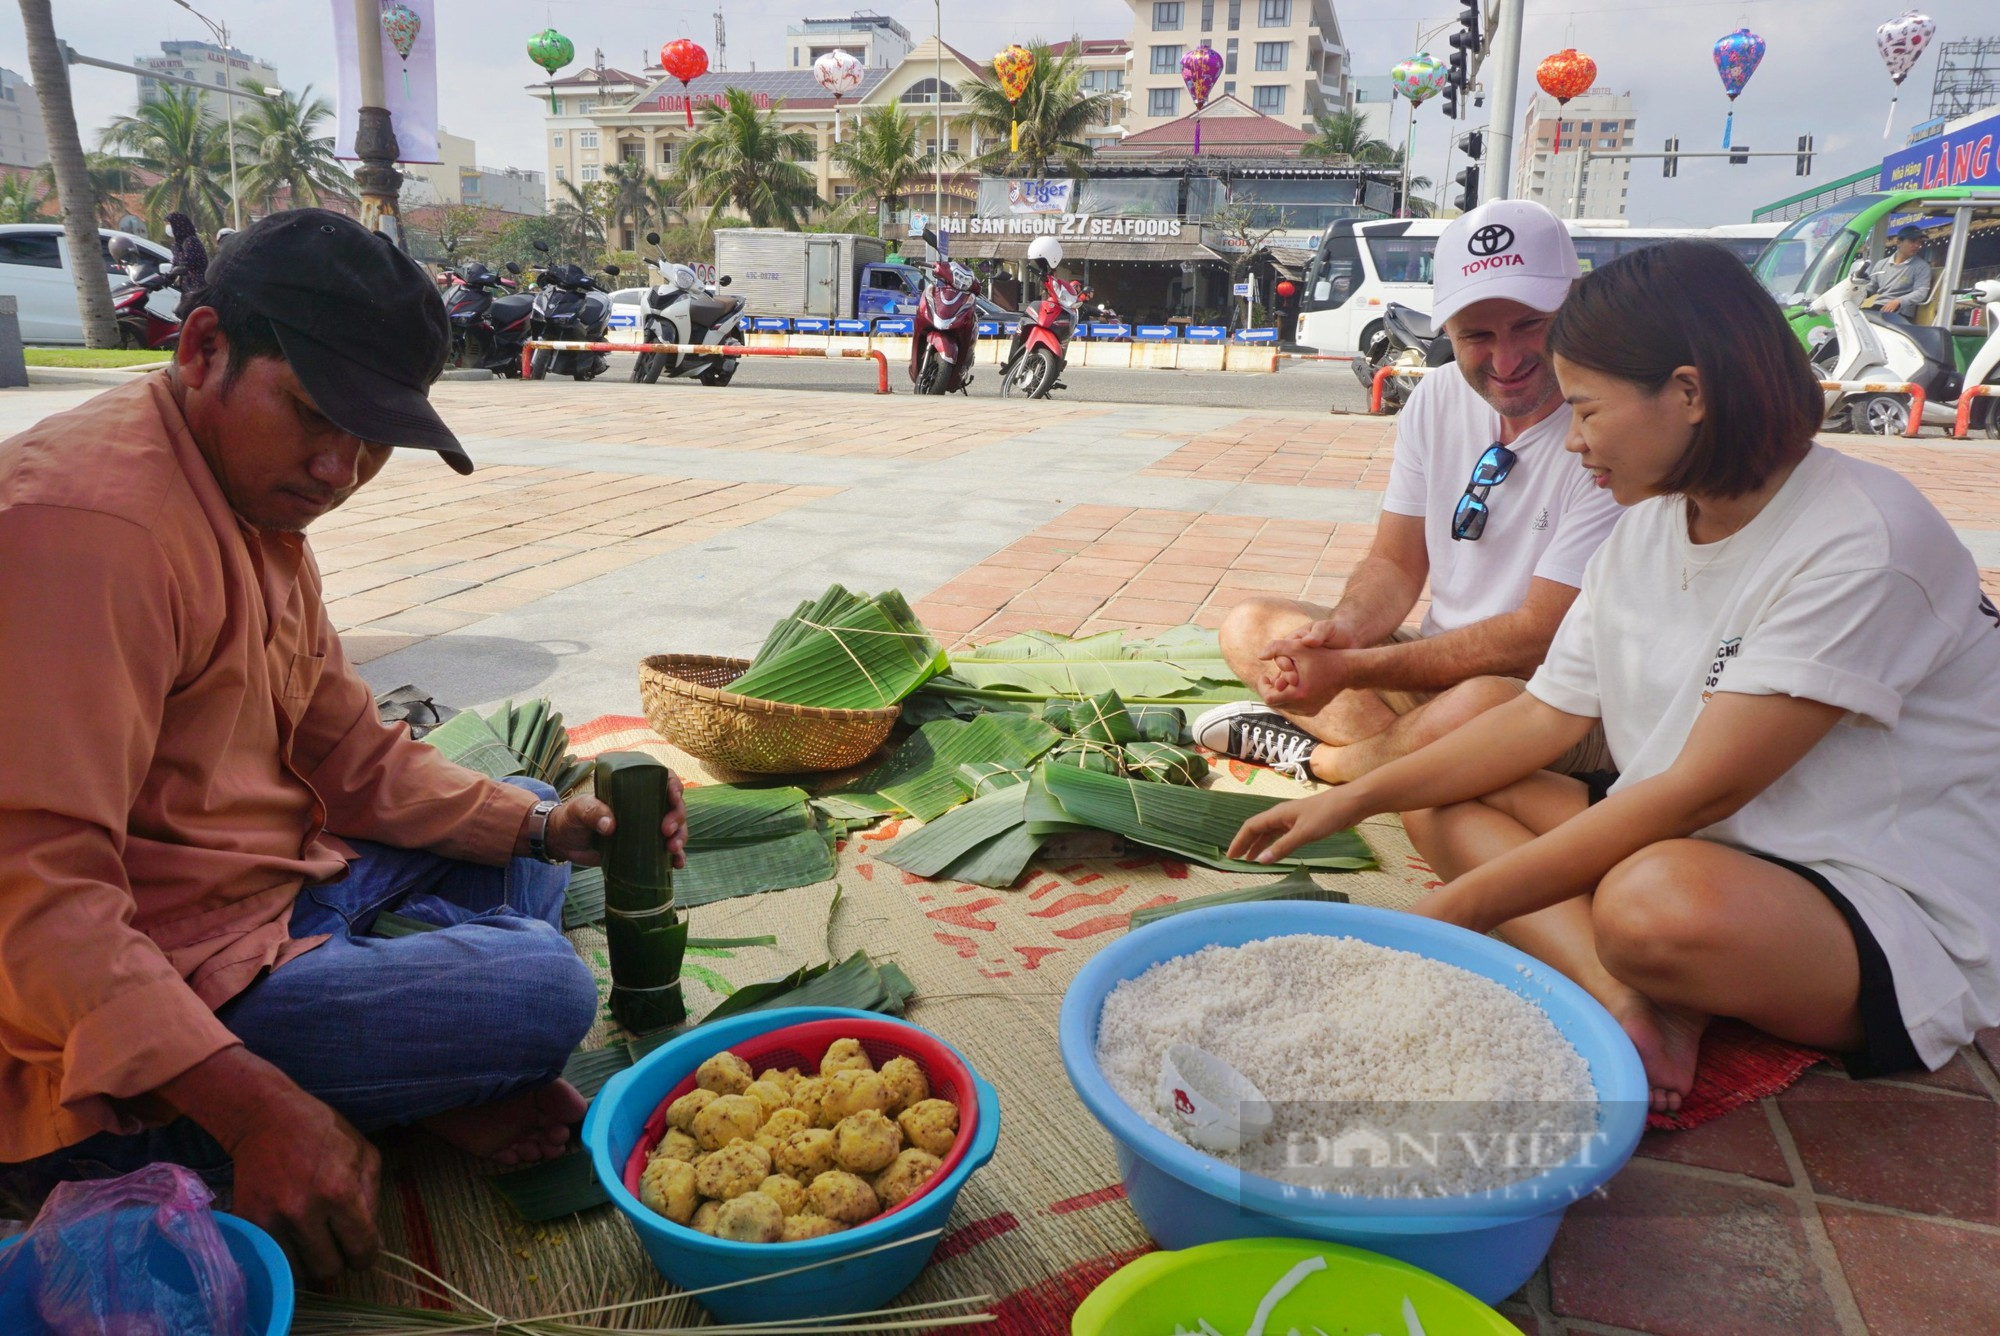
pixel 551 50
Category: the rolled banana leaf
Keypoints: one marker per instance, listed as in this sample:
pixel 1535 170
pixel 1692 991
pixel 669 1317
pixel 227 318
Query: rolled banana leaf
pixel 646 935
pixel 1159 723
pixel 979 778
pixel 1079 754
pixel 1164 763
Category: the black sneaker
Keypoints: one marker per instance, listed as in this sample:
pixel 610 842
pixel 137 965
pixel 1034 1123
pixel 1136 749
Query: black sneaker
pixel 1251 731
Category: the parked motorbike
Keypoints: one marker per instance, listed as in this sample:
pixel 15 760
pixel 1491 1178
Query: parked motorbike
pixel 1984 368
pixel 946 334
pixel 1036 359
pixel 139 324
pixel 1408 339
pixel 489 318
pixel 683 309
pixel 569 306
pixel 1869 346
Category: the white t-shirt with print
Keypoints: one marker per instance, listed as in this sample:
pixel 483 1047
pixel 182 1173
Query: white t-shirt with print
pixel 1545 520
pixel 1848 588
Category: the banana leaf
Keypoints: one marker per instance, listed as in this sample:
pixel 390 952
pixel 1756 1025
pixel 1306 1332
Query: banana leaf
pixel 844 651
pixel 1197 824
pixel 554 1188
pixel 1044 815
pixel 936 845
pixel 1077 754
pixel 1297 885
pixel 1183 666
pixel 721 815
pixel 721 873
pixel 1164 763
pixel 468 740
pixel 584 903
pixel 978 778
pixel 998 862
pixel 921 777
pixel 645 934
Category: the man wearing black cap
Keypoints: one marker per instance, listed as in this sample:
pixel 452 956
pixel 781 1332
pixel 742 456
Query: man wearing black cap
pixel 201 816
pixel 1899 284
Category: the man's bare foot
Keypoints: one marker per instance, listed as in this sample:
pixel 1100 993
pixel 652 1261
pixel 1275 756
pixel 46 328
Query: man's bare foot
pixel 1669 1041
pixel 521 1129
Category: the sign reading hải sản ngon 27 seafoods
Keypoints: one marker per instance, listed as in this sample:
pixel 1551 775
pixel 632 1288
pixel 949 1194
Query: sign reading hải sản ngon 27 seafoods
pixel 1065 225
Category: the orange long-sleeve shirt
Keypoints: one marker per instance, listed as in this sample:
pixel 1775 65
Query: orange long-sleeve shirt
pixel 181 739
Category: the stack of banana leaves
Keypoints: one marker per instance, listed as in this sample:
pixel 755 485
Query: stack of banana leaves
pixel 844 651
pixel 1182 667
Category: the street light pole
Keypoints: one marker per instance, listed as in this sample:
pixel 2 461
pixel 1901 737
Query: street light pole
pixel 374 133
pixel 221 34
pixel 937 159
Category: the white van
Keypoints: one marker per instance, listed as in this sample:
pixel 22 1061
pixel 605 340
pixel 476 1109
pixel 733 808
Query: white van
pixel 1364 264
pixel 35 270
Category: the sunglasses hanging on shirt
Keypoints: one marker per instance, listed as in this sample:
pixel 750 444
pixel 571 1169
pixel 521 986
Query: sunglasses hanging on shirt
pixel 1468 521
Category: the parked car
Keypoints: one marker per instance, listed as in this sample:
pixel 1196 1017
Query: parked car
pixel 34 269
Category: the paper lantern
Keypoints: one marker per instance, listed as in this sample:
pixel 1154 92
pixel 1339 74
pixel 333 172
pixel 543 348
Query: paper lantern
pixel 400 24
pixel 1901 40
pixel 1286 287
pixel 551 50
pixel 684 59
pixel 1736 59
pixel 1200 68
pixel 1013 68
pixel 1567 74
pixel 1419 78
pixel 838 73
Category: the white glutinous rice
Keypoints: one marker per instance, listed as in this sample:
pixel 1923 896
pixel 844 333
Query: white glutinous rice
pixel 1389 1074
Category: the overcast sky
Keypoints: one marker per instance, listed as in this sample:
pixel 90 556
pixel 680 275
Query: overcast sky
pixel 1821 75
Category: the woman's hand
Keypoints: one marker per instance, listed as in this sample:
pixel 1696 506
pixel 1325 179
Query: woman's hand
pixel 1271 835
pixel 575 824
pixel 1446 905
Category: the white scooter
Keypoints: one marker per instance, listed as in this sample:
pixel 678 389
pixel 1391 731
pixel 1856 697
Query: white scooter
pixel 1866 347
pixel 1984 368
pixel 685 310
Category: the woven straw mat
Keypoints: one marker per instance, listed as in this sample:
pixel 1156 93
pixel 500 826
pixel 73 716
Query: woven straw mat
pixel 1036 1228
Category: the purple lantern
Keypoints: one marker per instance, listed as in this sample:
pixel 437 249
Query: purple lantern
pixel 1200 68
pixel 1736 59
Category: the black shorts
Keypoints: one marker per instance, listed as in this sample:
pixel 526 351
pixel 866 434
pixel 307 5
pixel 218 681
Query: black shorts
pixel 1887 1047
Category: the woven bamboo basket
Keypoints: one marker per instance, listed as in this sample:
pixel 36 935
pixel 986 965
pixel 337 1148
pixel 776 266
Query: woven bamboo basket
pixel 686 704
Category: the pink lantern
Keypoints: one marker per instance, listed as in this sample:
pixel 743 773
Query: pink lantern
pixel 1200 68
pixel 838 73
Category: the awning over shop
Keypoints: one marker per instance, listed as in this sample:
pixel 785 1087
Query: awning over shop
pixel 1290 262
pixel 1099 250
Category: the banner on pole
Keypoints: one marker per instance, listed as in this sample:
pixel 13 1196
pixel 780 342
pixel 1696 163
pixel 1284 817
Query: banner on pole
pixel 409 84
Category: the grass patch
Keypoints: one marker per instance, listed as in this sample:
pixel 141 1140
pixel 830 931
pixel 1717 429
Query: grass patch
pixel 95 357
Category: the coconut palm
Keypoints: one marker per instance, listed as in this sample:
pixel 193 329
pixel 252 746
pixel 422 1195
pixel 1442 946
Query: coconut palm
pixel 663 203
pixel 20 201
pixel 882 156
pixel 739 156
pixel 627 198
pixel 1343 136
pixel 173 139
pixel 1054 112
pixel 110 177
pixel 289 155
pixel 579 216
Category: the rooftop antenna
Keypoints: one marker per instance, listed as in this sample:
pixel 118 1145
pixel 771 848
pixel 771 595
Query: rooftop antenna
pixel 721 44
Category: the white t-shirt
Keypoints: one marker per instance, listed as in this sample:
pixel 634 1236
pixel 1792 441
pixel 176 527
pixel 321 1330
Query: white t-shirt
pixel 1848 588
pixel 1545 520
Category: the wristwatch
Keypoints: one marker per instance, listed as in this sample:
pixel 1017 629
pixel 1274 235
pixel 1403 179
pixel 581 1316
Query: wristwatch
pixel 538 830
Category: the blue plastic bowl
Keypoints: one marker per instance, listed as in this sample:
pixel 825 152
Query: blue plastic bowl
pixel 1486 1244
pixel 267 1281
pixel 696 1261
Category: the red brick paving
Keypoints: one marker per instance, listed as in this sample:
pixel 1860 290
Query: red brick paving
pixel 1348 452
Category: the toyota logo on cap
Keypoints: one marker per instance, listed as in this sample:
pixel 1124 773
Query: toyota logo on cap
pixel 1491 239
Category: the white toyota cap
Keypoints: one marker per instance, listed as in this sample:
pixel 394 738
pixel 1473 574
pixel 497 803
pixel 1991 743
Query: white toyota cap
pixel 1511 248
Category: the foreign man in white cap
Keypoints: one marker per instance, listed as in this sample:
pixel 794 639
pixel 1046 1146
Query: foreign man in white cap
pixel 1482 501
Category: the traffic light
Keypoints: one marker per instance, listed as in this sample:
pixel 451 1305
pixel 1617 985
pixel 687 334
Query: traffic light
pixel 1739 155
pixel 1671 164
pixel 1805 155
pixel 1468 196
pixel 1473 144
pixel 1458 69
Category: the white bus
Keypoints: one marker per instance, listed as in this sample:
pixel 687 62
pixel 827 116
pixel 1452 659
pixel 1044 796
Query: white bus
pixel 1364 264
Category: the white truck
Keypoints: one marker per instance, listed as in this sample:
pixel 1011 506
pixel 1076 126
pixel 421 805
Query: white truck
pixel 815 275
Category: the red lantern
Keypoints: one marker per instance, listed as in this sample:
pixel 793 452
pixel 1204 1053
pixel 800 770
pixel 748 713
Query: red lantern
pixel 1567 74
pixel 684 59
pixel 1285 288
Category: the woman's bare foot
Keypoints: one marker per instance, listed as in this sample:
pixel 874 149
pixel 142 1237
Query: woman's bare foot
pixel 1669 1041
pixel 521 1129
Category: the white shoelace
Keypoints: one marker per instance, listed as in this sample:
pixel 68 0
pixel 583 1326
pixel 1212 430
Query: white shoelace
pixel 1285 750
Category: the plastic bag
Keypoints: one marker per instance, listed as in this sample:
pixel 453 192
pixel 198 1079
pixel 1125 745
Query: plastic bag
pixel 140 1255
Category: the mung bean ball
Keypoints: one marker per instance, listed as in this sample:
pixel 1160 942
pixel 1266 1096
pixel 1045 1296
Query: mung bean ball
pixel 840 1196
pixel 680 1113
pixel 727 1118
pixel 808 1095
pixel 667 1186
pixel 911 1170
pixel 789 1193
pixel 725 1074
pixel 849 1092
pixel 752 1218
pixel 865 1142
pixel 931 1125
pixel 784 1079
pixel 732 1171
pixel 806 1155
pixel 845 1055
pixel 799 1228
pixel 907 1084
pixel 678 1145
pixel 779 1126
pixel 704 1216
pixel 769 1095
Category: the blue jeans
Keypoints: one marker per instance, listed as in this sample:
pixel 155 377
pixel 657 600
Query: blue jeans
pixel 391 1030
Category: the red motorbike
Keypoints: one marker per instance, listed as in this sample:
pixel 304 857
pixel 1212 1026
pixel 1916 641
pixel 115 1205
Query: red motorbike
pixel 1039 353
pixel 946 333
pixel 139 325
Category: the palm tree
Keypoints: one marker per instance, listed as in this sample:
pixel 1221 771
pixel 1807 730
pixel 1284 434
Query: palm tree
pixel 20 202
pixel 627 196
pixel 109 177
pixel 289 156
pixel 50 71
pixel 1343 136
pixel 662 203
pixel 174 139
pixel 739 156
pixel 882 156
pixel 1054 111
pixel 578 216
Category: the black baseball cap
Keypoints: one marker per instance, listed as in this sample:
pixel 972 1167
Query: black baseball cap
pixel 1909 232
pixel 359 322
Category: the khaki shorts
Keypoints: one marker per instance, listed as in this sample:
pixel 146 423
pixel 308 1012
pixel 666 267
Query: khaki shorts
pixel 1591 754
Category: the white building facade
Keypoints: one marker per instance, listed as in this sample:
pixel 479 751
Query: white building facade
pixel 207 64
pixel 876 40
pixel 22 143
pixel 1598 121
pixel 1284 58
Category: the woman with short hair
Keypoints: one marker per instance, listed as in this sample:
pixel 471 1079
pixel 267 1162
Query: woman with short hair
pixel 1799 679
